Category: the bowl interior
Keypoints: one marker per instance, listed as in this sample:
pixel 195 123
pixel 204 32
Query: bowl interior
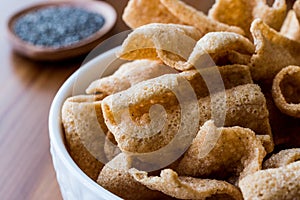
pixel 100 66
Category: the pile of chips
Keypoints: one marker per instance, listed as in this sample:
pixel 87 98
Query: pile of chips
pixel 205 106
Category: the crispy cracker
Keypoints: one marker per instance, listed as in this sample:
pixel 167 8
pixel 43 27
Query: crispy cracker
pixel 285 128
pixel 128 117
pixel 149 42
pixel 241 13
pixel 127 75
pixel 115 177
pixel 196 18
pixel 222 153
pixel 286 90
pixel 245 107
pixel 183 187
pixel 224 47
pixel 273 184
pixel 291 26
pixel 141 12
pixel 128 113
pixel 296 8
pixel 83 124
pixel 137 100
pixel 273 52
pixel 282 158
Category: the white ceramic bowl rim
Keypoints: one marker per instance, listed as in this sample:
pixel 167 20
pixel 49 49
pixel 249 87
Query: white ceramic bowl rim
pixel 55 126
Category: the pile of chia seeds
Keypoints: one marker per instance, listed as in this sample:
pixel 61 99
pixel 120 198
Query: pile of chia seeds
pixel 57 26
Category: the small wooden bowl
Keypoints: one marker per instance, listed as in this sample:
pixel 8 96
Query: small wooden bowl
pixel 59 53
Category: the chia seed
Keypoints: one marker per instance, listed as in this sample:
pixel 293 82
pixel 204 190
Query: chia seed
pixel 57 26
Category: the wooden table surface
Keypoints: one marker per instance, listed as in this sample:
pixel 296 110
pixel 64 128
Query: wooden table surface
pixel 27 89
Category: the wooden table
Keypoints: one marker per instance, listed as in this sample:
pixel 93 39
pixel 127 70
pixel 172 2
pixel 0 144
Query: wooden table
pixel 26 92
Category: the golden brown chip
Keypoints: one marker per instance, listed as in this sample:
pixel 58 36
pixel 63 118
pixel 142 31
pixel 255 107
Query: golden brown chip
pixel 273 52
pixel 222 153
pixel 222 47
pixel 241 13
pixel 141 12
pixel 286 90
pixel 115 177
pixel 196 18
pixel 291 26
pixel 138 99
pixel 83 124
pixel 245 107
pixel 146 117
pixel 285 128
pixel 149 42
pixel 296 8
pixel 273 184
pixel 282 158
pixel 150 115
pixel 127 75
pixel 183 187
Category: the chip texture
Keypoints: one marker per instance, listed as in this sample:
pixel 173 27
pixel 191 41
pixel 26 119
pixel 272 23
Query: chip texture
pixel 276 183
pixel 182 187
pixel 222 153
pixel 141 12
pixel 286 90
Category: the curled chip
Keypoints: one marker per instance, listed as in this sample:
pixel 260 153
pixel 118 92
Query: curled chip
pixel 282 158
pixel 291 26
pixel 146 117
pixel 174 92
pixel 85 132
pixel 222 153
pixel 222 47
pixel 296 7
pixel 127 75
pixel 137 128
pixel 116 178
pixel 149 42
pixel 241 13
pixel 245 107
pixel 196 18
pixel 264 65
pixel 183 187
pixel 286 90
pixel 141 12
pixel 273 184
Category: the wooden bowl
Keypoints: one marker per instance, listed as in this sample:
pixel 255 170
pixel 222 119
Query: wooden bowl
pixel 81 47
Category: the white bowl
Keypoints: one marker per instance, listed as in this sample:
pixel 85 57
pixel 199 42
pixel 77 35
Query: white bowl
pixel 74 183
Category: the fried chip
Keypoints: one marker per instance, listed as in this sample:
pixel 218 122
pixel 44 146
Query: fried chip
pixel 116 178
pixel 127 75
pixel 291 26
pixel 285 128
pixel 222 153
pixel 283 158
pixel 222 47
pixel 286 90
pixel 241 13
pixel 137 100
pixel 273 184
pixel 296 8
pixel 245 107
pixel 149 42
pixel 83 124
pixel 128 114
pixel 273 52
pixel 182 187
pixel 196 18
pixel 142 12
